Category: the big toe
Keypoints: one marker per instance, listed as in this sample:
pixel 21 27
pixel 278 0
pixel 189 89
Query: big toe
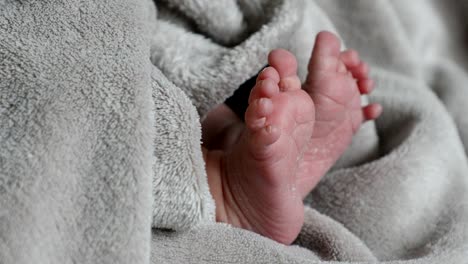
pixel 325 56
pixel 286 65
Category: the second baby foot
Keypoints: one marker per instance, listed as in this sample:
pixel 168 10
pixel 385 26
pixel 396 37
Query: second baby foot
pixel 335 82
pixel 258 185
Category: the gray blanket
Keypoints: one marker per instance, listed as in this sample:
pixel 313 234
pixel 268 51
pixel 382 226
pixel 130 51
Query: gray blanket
pixel 100 108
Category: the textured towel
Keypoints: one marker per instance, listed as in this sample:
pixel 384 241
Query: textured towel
pixel 100 158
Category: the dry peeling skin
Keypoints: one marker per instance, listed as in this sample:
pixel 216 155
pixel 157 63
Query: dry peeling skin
pixel 78 132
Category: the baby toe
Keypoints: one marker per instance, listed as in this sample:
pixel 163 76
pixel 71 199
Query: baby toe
pixel 262 139
pixel 325 54
pixel 257 112
pixel 327 44
pixel 269 73
pixel 372 111
pixel 284 62
pixel 264 88
pixel 366 86
pixel 290 83
pixel 350 58
pixel 361 71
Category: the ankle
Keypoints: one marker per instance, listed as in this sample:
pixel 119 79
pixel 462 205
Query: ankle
pixel 227 209
pixel 214 174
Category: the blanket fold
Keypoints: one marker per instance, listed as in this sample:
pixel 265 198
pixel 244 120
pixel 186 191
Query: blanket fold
pixel 396 194
pixel 180 190
pixel 100 109
pixel 209 72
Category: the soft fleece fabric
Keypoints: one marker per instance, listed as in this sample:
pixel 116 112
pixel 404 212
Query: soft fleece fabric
pixel 100 108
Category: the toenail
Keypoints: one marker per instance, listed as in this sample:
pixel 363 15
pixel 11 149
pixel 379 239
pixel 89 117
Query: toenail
pixel 261 122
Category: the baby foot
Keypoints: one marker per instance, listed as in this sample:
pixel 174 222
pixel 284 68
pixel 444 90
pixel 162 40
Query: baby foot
pixel 335 83
pixel 257 188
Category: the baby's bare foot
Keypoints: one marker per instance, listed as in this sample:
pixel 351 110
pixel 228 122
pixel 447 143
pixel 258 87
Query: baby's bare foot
pixel 335 82
pixel 258 186
pixel 278 160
